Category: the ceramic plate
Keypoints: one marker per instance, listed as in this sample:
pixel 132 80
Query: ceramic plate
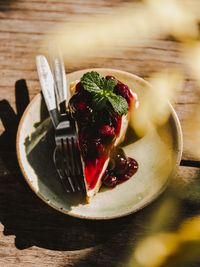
pixel 158 153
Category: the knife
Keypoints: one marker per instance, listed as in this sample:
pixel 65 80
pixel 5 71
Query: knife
pixel 47 84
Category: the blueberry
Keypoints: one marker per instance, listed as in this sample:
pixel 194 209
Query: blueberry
pixel 95 148
pixel 110 77
pixel 79 87
pixel 80 106
pixel 110 180
pixel 132 166
pixel 107 133
pixel 123 178
pixel 123 90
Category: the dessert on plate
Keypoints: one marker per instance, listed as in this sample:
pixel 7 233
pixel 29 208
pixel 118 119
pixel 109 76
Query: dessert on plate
pixel 101 107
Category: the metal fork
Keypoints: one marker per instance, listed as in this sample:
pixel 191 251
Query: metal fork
pixel 66 155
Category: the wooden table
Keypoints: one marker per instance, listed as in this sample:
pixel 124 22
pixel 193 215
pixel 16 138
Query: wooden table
pixel 32 233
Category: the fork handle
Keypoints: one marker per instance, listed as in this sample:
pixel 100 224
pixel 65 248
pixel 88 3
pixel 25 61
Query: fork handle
pixel 58 70
pixel 47 84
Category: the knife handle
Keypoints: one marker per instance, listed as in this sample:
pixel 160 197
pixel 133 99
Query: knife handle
pixel 47 84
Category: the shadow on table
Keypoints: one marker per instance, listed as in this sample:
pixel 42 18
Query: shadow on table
pixel 23 214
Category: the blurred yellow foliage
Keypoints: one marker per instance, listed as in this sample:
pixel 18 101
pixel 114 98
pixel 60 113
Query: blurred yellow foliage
pixel 170 249
pixel 191 53
pixel 154 106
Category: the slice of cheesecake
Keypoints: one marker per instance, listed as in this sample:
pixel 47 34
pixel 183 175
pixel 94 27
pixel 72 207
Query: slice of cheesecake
pixel 100 126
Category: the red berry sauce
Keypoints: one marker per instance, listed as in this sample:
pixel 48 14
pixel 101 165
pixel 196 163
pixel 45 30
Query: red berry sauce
pixel 97 133
pixel 120 169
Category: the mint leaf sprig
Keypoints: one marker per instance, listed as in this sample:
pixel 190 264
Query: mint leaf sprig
pixel 102 90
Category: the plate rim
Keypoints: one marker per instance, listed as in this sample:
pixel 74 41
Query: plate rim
pixel 155 196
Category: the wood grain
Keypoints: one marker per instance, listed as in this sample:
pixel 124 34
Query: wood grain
pixel 32 233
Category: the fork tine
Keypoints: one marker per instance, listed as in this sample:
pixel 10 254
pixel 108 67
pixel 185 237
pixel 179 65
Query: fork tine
pixel 78 164
pixel 74 155
pixel 77 158
pixel 60 162
pixel 60 169
pixel 66 184
pixel 70 143
pixel 71 154
pixel 66 164
pixel 69 163
pixel 65 157
pixel 62 157
pixel 71 183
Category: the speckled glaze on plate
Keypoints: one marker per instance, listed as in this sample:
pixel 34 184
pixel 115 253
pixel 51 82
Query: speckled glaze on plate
pixel 158 154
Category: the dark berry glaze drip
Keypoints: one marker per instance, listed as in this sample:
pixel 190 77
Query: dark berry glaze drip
pixel 120 169
pixel 97 130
